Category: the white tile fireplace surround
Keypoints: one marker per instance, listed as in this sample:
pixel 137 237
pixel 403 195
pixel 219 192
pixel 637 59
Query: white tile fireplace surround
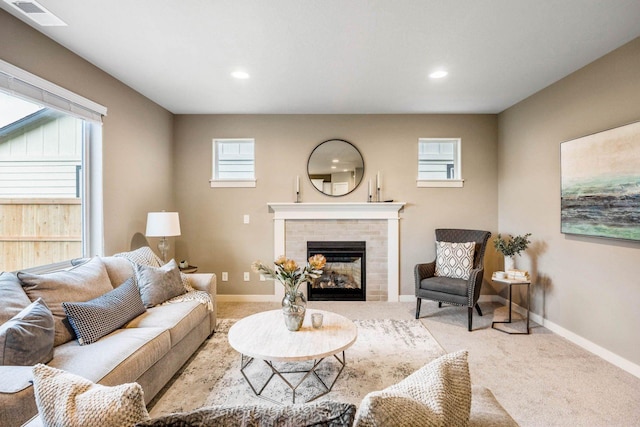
pixel 376 223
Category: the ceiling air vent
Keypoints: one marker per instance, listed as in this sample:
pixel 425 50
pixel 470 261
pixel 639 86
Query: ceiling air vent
pixel 37 13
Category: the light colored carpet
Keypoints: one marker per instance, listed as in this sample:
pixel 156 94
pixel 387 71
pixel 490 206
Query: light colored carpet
pixel 541 379
pixel 212 376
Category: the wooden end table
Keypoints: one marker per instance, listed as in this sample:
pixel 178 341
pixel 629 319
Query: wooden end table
pixel 511 283
pixel 264 336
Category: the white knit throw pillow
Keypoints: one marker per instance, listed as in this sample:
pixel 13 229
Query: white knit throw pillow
pixel 65 399
pixel 438 395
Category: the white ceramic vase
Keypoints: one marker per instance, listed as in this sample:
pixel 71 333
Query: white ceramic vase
pixel 509 263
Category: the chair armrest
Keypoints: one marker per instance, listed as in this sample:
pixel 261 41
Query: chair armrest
pixel 423 271
pixel 474 284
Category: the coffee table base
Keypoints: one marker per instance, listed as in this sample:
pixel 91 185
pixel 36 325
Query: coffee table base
pixel 245 361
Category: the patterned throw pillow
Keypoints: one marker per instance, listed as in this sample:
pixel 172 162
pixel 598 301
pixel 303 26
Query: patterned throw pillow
pixel 65 399
pixel 454 260
pixel 317 414
pixel 81 283
pixel 438 394
pixel 27 339
pixel 94 319
pixel 158 284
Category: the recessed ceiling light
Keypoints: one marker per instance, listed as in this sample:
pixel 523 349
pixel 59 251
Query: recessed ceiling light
pixel 335 160
pixel 333 167
pixel 438 74
pixel 240 75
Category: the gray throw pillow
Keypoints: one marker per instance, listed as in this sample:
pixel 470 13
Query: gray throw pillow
pixel 317 414
pixel 81 283
pixel 158 284
pixel 12 297
pixel 27 339
pixel 94 319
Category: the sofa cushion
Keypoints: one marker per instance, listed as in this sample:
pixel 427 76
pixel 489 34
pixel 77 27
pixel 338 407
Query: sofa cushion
pixel 70 400
pixel 446 285
pixel 179 319
pixel 454 259
pixel 320 414
pixel 158 284
pixel 438 394
pixel 122 355
pixel 81 283
pixel 27 338
pixel 91 320
pixel 13 297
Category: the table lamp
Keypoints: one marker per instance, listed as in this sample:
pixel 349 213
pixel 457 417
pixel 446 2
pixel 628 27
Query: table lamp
pixel 163 224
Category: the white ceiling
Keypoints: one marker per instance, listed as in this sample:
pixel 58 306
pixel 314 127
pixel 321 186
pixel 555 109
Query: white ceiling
pixel 340 56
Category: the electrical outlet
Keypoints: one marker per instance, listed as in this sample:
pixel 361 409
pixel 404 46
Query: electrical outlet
pixel 225 276
pixel 247 276
pixel 262 278
pixel 246 219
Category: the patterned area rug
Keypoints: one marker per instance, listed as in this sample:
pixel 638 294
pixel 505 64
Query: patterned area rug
pixel 385 352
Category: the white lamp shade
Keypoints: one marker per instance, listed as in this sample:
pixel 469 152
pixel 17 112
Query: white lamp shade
pixel 163 224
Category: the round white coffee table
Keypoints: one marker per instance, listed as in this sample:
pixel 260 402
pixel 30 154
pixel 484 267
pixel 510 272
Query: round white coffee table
pixel 264 336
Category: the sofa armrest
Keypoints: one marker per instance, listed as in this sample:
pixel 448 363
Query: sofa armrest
pixel 206 282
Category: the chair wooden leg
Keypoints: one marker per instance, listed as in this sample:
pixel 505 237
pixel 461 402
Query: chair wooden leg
pixel 470 317
pixel 478 309
pixel 418 303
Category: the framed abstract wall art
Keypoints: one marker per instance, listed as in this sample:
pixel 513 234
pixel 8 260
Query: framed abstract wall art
pixel 600 176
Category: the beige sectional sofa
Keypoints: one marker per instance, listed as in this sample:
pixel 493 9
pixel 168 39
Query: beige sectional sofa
pixel 148 350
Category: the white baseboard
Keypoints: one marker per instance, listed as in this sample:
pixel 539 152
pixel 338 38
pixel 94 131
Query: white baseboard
pixel 590 346
pixel 246 298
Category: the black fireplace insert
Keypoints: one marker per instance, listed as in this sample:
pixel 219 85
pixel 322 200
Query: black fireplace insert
pixel 344 275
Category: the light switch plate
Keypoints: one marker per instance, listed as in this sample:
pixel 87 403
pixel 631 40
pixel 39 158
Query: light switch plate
pixel 246 219
pixel 225 276
pixel 247 276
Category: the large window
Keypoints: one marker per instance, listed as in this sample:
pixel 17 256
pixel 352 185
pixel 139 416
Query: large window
pixel 439 162
pixel 233 163
pixel 49 191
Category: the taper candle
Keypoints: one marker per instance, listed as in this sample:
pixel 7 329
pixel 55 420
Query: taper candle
pixel 297 183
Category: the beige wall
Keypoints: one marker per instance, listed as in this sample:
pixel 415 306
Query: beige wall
pixel 588 286
pixel 137 133
pixel 215 238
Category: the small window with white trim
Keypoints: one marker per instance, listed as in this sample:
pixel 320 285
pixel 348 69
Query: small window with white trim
pixel 233 163
pixel 439 162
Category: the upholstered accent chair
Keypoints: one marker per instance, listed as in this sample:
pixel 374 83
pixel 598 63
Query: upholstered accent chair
pixel 450 290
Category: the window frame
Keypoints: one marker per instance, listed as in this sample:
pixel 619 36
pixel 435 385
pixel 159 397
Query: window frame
pixel 457 181
pixel 216 182
pixel 20 83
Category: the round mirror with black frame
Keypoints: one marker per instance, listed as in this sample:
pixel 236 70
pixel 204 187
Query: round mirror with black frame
pixel 335 167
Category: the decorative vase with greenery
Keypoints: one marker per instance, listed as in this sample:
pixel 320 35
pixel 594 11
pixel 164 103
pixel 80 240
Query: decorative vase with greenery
pixel 287 272
pixel 510 247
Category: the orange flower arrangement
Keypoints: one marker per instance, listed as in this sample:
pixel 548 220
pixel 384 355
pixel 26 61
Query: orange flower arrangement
pixel 287 271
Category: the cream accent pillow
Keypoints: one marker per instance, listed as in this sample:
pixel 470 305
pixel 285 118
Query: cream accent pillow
pixel 82 283
pixel 438 394
pixel 454 260
pixel 65 399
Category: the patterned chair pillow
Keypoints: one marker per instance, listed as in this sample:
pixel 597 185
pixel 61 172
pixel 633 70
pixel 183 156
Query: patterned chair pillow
pixel 94 319
pixel 454 260
pixel 438 394
pixel 65 399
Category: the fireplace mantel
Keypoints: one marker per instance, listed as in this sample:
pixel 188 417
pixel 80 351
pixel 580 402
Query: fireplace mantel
pixel 383 210
pixel 387 211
